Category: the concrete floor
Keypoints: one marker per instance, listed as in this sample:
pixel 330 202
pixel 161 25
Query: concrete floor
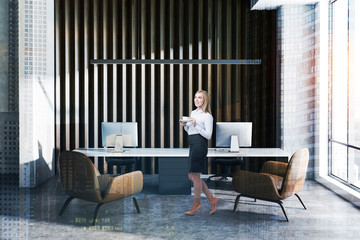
pixel 33 214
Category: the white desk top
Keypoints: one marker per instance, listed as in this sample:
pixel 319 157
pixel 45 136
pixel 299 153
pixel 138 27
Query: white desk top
pixel 182 152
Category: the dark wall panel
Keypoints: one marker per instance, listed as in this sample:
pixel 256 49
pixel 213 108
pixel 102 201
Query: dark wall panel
pixel 156 96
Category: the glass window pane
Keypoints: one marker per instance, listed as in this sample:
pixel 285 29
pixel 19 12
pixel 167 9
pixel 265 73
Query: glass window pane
pixel 339 161
pixel 340 71
pixel 354 167
pixel 354 73
pixel 339 103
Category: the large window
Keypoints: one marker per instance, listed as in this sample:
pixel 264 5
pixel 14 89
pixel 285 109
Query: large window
pixel 345 95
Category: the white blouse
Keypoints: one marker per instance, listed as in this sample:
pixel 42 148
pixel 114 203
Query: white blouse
pixel 204 124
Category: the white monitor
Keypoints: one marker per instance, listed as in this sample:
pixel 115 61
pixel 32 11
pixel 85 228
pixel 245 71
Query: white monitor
pixel 233 135
pixel 128 131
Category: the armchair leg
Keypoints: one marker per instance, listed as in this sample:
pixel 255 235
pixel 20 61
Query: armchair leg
pixel 96 213
pixel 236 202
pixel 300 200
pixel 136 204
pixel 66 204
pixel 282 207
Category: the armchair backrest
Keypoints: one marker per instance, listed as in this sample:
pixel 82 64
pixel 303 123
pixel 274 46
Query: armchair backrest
pixel 295 174
pixel 79 176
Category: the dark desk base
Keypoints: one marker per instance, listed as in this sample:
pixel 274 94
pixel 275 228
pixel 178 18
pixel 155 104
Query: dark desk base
pixel 173 176
pixel 254 164
pixel 173 172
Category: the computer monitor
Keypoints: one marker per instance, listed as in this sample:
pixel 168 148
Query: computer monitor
pixel 233 135
pixel 128 131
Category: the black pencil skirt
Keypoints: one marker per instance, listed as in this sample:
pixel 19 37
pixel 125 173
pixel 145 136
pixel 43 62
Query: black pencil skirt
pixel 197 154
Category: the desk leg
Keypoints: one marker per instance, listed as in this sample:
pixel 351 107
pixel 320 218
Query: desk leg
pixel 96 162
pixel 173 176
pixel 105 167
pixel 99 163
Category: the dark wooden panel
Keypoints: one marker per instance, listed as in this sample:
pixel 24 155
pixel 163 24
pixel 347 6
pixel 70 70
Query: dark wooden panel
pixel 157 96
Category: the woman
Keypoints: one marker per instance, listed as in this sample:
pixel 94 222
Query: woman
pixel 199 127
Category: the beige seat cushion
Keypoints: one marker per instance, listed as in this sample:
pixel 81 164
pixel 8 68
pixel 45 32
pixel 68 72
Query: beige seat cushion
pixel 104 182
pixel 278 180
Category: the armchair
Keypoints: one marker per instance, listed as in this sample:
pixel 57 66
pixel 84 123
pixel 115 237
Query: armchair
pixel 81 179
pixel 276 181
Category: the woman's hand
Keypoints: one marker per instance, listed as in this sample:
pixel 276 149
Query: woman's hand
pixel 193 121
pixel 182 123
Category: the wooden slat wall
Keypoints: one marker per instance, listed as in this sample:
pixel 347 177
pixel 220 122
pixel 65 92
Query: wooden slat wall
pixel 156 96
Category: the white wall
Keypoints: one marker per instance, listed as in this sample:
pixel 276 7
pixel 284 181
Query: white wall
pixel 36 92
pixel 299 82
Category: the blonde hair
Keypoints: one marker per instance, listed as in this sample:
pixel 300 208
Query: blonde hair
pixel 206 105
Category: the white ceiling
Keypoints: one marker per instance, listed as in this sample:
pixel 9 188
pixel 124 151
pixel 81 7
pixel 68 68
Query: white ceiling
pixel 273 4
